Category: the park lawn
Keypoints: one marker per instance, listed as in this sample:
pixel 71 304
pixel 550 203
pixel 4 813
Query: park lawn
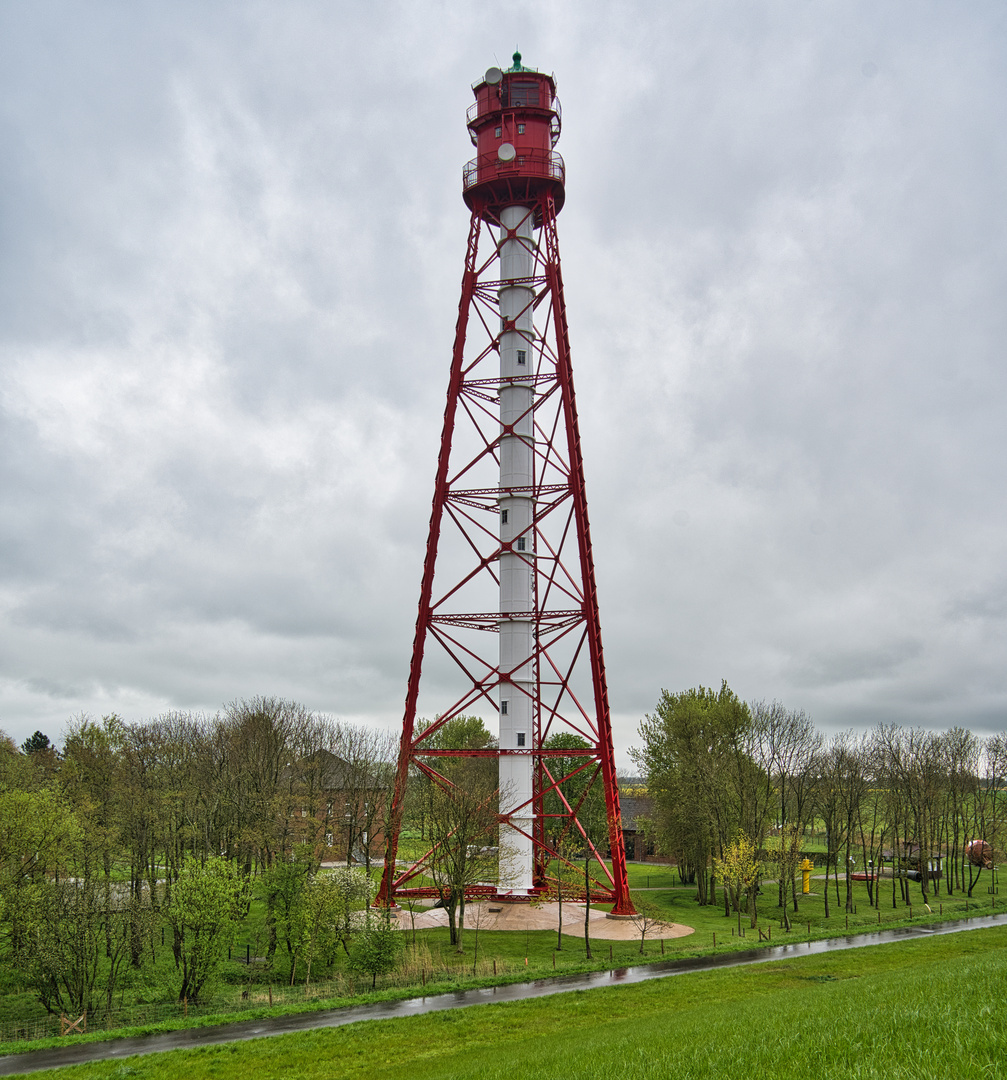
pixel 434 965
pixel 652 876
pixel 927 1007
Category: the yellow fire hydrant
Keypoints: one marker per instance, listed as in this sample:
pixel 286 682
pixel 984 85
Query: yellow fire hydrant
pixel 806 867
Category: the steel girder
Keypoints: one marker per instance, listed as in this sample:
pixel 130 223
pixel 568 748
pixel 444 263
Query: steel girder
pixel 569 691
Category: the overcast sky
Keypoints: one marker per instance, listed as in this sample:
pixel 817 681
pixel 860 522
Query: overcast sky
pixel 231 241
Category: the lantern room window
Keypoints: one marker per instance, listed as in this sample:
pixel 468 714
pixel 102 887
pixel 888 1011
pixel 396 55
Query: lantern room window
pixel 523 93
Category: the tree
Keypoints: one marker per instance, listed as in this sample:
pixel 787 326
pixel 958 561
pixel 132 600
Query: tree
pixel 38 835
pixel 797 746
pixel 377 949
pixel 647 919
pixel 330 912
pixel 36 744
pixel 849 771
pixel 454 800
pixel 207 905
pixel 788 856
pixel 261 735
pixel 282 887
pixel 696 758
pixel 71 940
pixel 567 877
pixel 90 776
pixel 739 870
pixel 462 826
pixel 366 775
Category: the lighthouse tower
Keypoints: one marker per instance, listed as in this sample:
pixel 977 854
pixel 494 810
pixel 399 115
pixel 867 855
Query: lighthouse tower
pixel 508 592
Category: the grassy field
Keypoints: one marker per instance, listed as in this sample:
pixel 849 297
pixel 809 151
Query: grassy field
pixel 431 963
pixel 931 1007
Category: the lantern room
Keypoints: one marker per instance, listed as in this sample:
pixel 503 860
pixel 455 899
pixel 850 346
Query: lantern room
pixel 514 125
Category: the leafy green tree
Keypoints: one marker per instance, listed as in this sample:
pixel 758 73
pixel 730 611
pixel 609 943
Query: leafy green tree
pixel 458 733
pixel 207 905
pixel 39 834
pixel 739 869
pixel 73 945
pixel 332 909
pixel 90 777
pixel 282 887
pixel 695 764
pixel 324 913
pixel 377 949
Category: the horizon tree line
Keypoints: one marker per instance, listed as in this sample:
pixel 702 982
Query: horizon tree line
pixel 930 803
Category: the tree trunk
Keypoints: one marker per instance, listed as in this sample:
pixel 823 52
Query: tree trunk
pixel 587 909
pixel 452 929
pixel 461 922
pixel 849 879
pixel 270 926
pixel 559 929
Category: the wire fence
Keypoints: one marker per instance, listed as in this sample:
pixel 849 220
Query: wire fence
pixel 415 970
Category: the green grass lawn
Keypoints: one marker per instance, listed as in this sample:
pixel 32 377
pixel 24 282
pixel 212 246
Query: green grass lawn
pixel 933 1007
pixel 434 965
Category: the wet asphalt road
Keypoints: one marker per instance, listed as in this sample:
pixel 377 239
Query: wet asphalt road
pixel 15 1064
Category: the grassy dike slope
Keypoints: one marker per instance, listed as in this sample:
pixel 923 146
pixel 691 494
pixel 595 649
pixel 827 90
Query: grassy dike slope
pixel 935 1007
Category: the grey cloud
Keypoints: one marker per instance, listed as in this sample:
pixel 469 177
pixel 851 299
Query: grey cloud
pixel 863 665
pixel 232 239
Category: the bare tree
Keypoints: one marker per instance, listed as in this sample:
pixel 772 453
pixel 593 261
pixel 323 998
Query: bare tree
pixel 797 746
pixel 455 800
pixel 647 919
pixel 368 771
pixel 462 822
pixel 850 757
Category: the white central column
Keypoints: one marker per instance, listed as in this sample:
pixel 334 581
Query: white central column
pixel 516 563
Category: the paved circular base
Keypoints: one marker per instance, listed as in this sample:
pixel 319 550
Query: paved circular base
pixel 492 915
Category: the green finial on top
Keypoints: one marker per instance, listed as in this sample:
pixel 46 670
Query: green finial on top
pixel 517 62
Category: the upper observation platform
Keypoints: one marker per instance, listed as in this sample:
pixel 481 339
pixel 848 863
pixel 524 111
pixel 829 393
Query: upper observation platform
pixel 514 124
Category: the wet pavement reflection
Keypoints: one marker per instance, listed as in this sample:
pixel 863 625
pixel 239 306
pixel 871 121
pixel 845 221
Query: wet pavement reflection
pixel 254 1029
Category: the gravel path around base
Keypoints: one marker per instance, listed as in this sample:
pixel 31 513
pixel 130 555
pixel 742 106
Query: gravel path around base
pixel 488 915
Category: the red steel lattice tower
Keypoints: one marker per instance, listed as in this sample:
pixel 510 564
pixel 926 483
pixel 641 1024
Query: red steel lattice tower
pixel 508 593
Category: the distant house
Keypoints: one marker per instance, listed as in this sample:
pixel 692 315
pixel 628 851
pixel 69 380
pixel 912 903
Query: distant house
pixel 341 803
pixel 636 806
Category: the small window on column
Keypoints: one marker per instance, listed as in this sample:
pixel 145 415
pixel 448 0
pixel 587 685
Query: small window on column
pixel 522 357
pixel 503 517
pixel 503 708
pixel 521 543
pixel 520 738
